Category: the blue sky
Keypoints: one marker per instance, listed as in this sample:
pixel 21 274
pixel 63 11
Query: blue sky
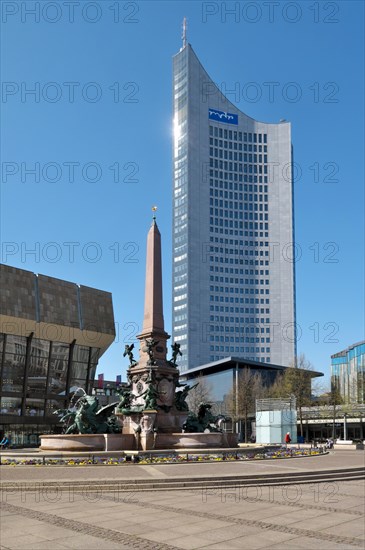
pixel 98 132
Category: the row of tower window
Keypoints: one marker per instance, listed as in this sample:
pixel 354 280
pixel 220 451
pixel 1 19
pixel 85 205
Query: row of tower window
pixel 242 320
pixel 241 349
pixel 238 167
pixel 240 233
pixel 237 146
pixel 238 225
pixel 248 325
pixel 237 204
pixel 231 309
pixel 260 234
pixel 247 188
pixel 235 270
pixel 240 281
pixel 240 157
pixel 228 299
pixel 241 341
pixel 242 330
pixel 249 225
pixel 252 311
pixel 180 228
pixel 234 180
pixel 222 339
pixel 235 241
pixel 242 213
pixel 231 300
pixel 237 261
pixel 236 213
pixel 235 290
pixel 236 251
pixel 250 137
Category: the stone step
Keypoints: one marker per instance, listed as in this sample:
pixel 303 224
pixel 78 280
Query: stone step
pixel 187 483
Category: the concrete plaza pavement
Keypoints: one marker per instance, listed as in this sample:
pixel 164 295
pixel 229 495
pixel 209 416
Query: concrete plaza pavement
pixel 328 515
pixel 339 458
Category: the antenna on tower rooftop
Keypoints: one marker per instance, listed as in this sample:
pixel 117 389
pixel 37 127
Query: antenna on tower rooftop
pixel 184 31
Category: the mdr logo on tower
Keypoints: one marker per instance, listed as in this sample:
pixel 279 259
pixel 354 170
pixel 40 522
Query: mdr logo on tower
pixel 222 116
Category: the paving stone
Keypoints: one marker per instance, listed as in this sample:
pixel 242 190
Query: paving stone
pixel 298 543
pixel 191 542
pixel 210 525
pixel 257 540
pixel 14 541
pixel 359 508
pixel 162 535
pixel 267 513
pixel 323 521
pixel 86 542
pixel 294 516
pixel 162 523
pixel 353 528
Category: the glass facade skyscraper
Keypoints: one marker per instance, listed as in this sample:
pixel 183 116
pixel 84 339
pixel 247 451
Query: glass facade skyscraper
pixel 233 228
pixel 348 373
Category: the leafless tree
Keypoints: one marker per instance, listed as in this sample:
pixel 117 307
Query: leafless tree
pixel 241 400
pixel 202 393
pixel 296 380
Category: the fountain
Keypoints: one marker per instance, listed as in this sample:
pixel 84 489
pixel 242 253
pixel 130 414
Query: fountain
pixel 152 410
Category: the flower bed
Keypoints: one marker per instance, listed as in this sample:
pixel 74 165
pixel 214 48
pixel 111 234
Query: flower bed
pixel 165 458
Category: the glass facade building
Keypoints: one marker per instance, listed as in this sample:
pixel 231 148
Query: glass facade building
pixel 50 343
pixel 221 376
pixel 233 229
pixel 348 373
pixel 221 379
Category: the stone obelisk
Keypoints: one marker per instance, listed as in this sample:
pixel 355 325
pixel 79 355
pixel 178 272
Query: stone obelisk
pixel 153 379
pixel 153 321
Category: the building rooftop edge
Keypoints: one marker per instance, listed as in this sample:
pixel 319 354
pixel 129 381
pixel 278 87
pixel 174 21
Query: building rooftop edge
pixel 280 123
pixel 51 277
pixel 241 361
pixel 349 348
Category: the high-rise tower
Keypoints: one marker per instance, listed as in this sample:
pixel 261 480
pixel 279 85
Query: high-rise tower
pixel 233 230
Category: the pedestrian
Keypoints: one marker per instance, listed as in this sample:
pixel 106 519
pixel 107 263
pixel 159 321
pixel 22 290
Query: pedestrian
pixel 287 438
pixel 4 442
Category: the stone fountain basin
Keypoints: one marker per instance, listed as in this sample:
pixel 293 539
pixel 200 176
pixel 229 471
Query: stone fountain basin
pixel 87 442
pixel 130 442
pixel 195 440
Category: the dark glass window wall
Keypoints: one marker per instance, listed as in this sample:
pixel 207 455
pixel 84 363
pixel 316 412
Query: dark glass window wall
pixel 37 376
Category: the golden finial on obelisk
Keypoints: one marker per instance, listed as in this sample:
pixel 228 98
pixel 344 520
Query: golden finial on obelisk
pixel 154 209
